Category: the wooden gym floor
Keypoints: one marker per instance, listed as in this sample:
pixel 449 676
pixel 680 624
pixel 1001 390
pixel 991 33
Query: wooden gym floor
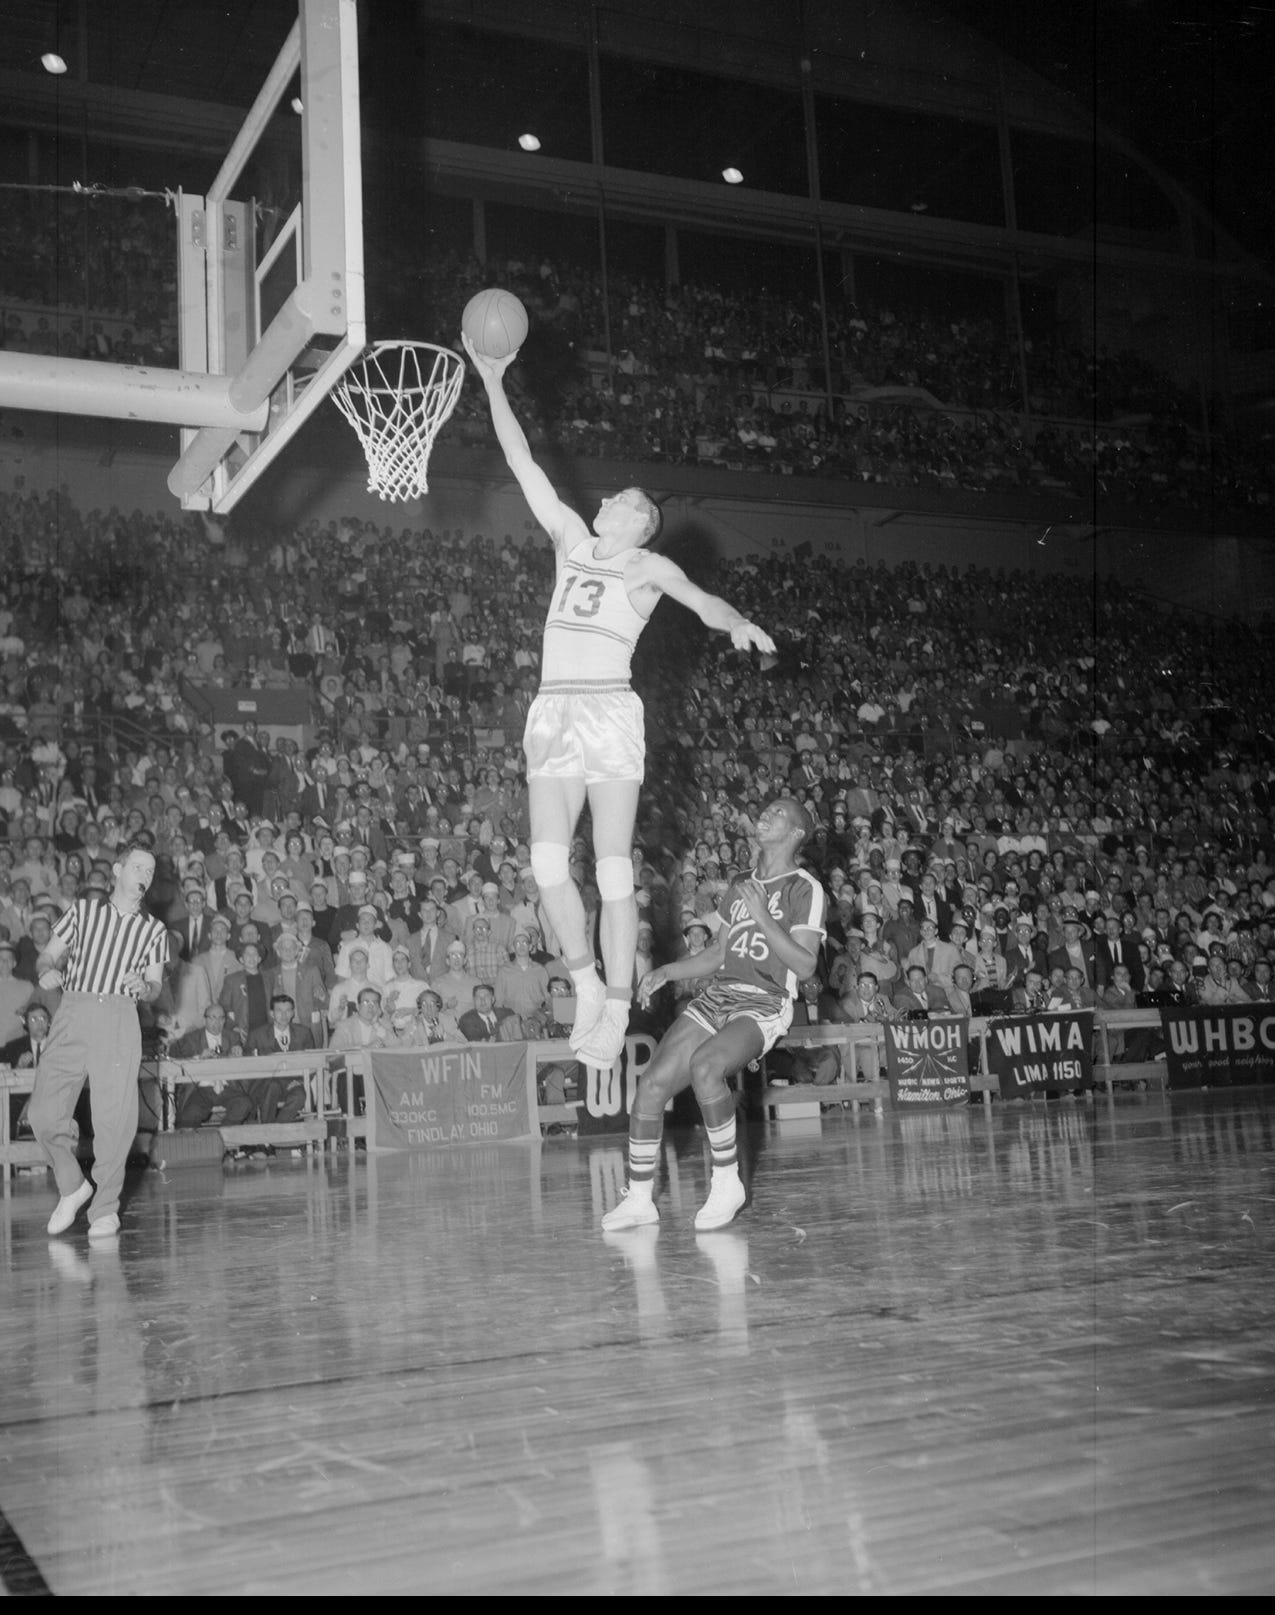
pixel 1023 1350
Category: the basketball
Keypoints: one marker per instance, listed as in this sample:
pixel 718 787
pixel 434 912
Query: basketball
pixel 495 322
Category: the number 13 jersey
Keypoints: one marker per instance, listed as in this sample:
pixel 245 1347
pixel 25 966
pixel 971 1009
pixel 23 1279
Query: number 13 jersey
pixel 591 627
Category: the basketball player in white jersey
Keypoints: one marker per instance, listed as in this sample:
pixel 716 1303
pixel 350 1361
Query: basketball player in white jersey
pixel 585 737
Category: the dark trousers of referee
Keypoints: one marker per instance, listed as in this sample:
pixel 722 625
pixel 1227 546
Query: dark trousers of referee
pixel 94 1036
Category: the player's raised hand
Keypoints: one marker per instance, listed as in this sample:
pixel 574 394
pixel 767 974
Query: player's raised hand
pixel 493 368
pixel 748 636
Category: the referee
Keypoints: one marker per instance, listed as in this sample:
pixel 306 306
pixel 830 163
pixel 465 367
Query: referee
pixel 107 957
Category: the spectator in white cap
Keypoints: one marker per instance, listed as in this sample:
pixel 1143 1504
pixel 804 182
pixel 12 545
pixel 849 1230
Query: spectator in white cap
pixel 380 955
pixel 403 988
pixel 358 895
pixel 346 992
pixel 500 924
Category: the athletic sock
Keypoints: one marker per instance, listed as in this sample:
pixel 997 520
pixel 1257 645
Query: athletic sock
pixel 719 1124
pixel 644 1153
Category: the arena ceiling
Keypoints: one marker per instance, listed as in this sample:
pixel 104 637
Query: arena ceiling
pixel 1187 80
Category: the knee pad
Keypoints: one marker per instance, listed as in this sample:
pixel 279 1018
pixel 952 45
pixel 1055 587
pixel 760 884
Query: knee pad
pixel 550 863
pixel 615 879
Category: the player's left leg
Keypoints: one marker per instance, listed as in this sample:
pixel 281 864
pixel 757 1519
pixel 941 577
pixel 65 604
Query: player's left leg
pixel 722 1056
pixel 668 1073
pixel 555 804
pixel 613 807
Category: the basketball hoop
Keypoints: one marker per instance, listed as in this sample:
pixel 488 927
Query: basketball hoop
pixel 396 397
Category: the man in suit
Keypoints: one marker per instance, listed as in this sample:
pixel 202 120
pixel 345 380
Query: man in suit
pixel 931 905
pixel 314 948
pixel 191 933
pixel 243 993
pixel 1024 951
pixel 919 997
pixel 429 942
pixel 282 1099
pixel 937 959
pixel 1077 949
pixel 302 983
pixel 1114 948
pixel 484 1023
pixel 216 1039
pixel 960 991
pixel 315 797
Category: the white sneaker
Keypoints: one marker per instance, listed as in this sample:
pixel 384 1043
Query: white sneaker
pixel 726 1195
pixel 105 1227
pixel 591 1000
pixel 68 1208
pixel 603 1043
pixel 634 1211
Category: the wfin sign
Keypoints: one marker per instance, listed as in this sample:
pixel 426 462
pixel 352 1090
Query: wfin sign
pixel 449 1094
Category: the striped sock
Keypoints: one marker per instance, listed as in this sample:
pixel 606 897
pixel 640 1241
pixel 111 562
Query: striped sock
pixel 644 1148
pixel 719 1124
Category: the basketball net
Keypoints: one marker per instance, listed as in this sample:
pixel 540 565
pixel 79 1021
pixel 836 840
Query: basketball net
pixel 396 397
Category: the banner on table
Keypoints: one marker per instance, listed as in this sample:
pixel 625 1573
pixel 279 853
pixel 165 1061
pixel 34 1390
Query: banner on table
pixel 1030 1053
pixel 450 1093
pixel 1219 1046
pixel 928 1062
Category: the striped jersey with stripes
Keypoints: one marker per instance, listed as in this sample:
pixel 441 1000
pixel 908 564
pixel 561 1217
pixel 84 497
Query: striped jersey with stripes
pixel 797 900
pixel 592 626
pixel 104 945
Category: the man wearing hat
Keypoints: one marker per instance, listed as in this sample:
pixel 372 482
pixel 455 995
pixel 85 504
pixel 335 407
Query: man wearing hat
pixel 373 937
pixel 300 980
pixel 404 987
pixel 358 893
pixel 1024 951
pixel 500 925
pixel 1077 949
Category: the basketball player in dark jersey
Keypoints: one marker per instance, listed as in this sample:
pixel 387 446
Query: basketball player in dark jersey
pixel 772 926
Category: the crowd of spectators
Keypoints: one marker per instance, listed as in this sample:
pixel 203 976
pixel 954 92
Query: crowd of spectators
pixel 108 263
pixel 1044 766
pixel 695 375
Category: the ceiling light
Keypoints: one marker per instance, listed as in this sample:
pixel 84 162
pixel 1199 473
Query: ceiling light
pixel 51 62
pixel 297 105
pixel 529 142
pixel 732 176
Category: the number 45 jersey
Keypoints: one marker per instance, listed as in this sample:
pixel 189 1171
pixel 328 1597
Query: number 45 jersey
pixel 796 899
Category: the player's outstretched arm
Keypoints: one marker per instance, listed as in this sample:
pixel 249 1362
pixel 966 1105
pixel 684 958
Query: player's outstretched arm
pixel 658 572
pixel 691 967
pixel 537 490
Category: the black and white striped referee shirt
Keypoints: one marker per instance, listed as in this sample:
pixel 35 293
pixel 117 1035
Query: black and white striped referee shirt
pixel 104 946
